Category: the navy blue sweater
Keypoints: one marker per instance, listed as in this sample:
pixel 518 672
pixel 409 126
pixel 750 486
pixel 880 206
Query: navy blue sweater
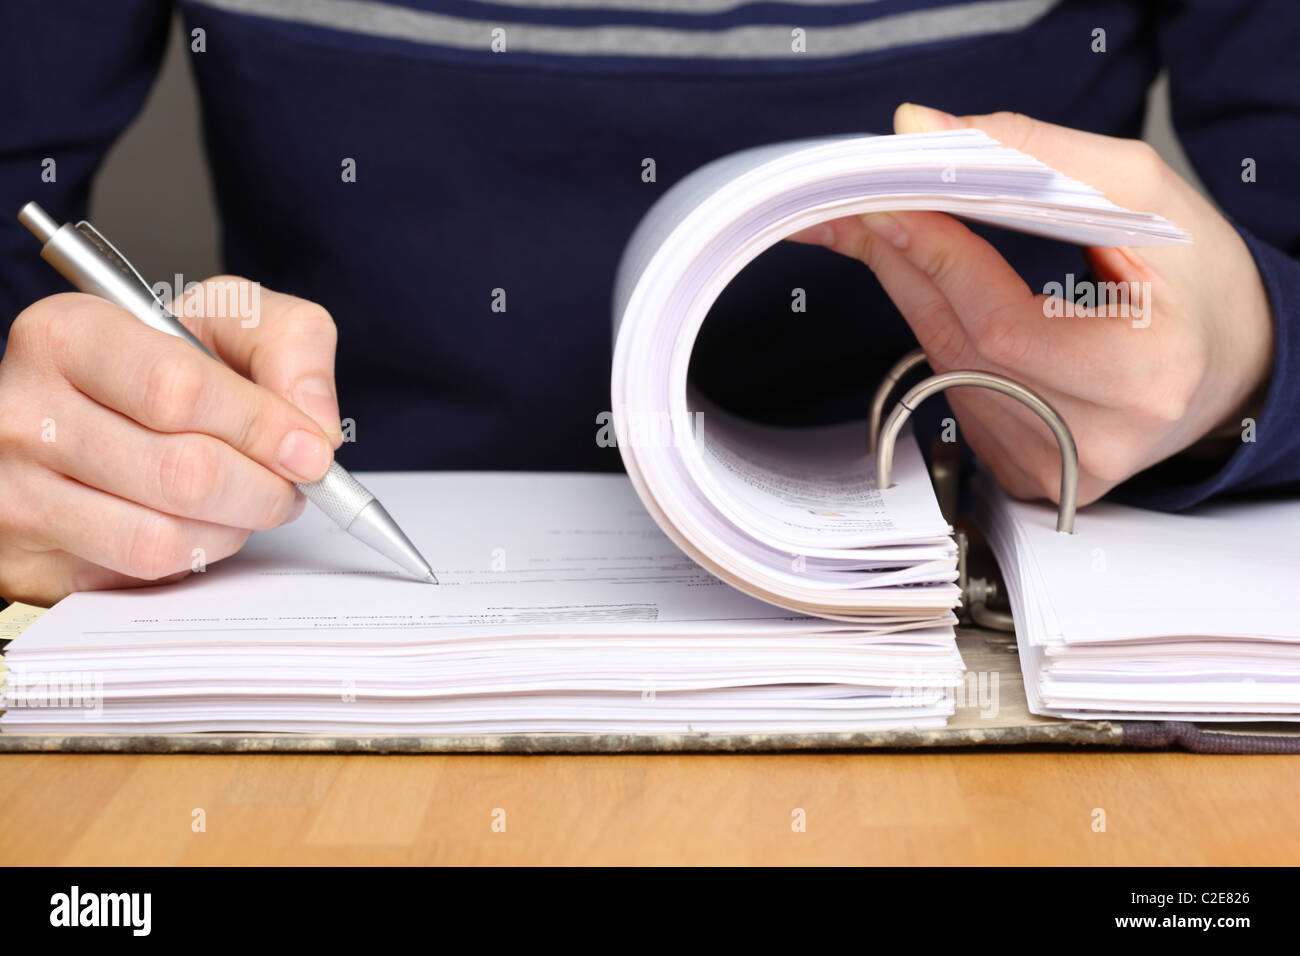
pixel 521 170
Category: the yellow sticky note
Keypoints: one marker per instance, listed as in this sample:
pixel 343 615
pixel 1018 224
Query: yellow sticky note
pixel 15 618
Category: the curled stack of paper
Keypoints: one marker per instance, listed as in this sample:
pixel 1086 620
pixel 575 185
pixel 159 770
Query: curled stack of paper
pixel 1146 615
pixel 795 518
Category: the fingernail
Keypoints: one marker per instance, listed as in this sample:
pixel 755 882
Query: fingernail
pixel 886 227
pixel 914 118
pixel 818 235
pixel 305 455
pixel 315 396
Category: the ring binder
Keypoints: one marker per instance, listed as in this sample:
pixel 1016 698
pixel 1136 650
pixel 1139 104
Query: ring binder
pixel 977 593
pixel 884 442
pixel 895 375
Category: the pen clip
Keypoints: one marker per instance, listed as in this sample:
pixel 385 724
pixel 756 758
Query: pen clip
pixel 113 255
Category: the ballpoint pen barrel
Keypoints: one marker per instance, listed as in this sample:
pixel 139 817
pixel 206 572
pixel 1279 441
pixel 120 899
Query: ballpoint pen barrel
pixel 95 269
pixel 41 223
pixel 93 265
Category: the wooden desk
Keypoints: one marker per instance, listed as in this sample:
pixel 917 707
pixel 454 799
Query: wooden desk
pixel 936 808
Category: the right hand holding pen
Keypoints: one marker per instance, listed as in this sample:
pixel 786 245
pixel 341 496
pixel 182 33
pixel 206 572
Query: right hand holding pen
pixel 128 457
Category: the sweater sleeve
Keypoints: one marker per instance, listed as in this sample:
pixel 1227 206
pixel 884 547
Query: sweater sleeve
pixel 1235 99
pixel 75 73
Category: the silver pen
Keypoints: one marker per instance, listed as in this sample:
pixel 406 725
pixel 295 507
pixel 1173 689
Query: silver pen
pixel 92 264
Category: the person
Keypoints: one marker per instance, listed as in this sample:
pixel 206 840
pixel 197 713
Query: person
pixel 439 193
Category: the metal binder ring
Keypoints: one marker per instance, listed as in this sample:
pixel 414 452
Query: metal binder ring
pixel 937 383
pixel 886 387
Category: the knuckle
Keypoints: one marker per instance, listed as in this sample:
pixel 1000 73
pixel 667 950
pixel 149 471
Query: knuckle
pixel 238 541
pixel 1171 403
pixel 173 387
pixel 1041 467
pixel 939 265
pixel 1014 481
pixel 213 296
pixel 278 507
pixel 862 244
pixel 218 547
pixel 1145 167
pixel 306 319
pixel 38 330
pixel 16 523
pixel 28 329
pixel 29 583
pixel 1171 392
pixel 1143 154
pixel 154 548
pixel 945 341
pixel 53 327
pixel 1047 480
pixel 1002 342
pixel 252 424
pixel 1106 460
pixel 1090 491
pixel 1019 129
pixel 188 475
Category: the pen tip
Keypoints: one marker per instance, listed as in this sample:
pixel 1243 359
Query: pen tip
pixel 431 578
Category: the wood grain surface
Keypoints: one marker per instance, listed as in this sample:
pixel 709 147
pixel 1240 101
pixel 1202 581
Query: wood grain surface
pixel 956 808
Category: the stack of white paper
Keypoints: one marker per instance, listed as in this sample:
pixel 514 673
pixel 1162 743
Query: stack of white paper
pixel 794 516
pixel 561 608
pixel 1142 614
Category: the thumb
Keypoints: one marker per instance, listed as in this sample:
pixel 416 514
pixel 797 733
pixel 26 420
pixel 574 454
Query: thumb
pixel 1127 171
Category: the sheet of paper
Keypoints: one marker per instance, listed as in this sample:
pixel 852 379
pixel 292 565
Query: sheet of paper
pixel 516 554
pixel 814 489
pixel 562 606
pixel 1147 615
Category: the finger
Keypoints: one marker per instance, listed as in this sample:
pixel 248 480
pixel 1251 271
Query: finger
pixel 994 447
pixel 1006 324
pixel 966 305
pixel 121 535
pixel 927 312
pixel 1012 429
pixel 1111 446
pixel 941 333
pixel 282 342
pixel 1011 440
pixel 190 475
pixel 1008 437
pixel 167 386
pixel 45 578
pixel 1128 171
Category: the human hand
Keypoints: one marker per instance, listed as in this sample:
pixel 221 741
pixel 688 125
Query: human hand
pixel 1134 392
pixel 127 457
